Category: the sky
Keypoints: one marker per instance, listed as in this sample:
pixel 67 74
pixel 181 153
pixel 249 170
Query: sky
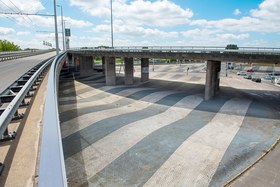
pixel 247 23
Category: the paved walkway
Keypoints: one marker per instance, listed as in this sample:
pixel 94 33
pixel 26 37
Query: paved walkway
pixel 264 173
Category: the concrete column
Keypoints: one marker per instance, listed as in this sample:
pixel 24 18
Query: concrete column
pixel 103 65
pixel 86 65
pixel 217 73
pixel 128 68
pixel 70 60
pixel 110 71
pixel 76 62
pixel 212 79
pixel 144 69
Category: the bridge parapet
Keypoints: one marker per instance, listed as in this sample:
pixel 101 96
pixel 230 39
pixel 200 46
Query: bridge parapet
pixel 243 54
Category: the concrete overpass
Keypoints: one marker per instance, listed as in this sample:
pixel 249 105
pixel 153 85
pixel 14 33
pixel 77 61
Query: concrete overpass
pixel 213 55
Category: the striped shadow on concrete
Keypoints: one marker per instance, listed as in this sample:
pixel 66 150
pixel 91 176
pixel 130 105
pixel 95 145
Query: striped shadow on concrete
pixel 124 138
pixel 72 126
pixel 89 135
pixel 137 165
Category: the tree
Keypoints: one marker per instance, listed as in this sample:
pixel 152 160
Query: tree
pixel 232 46
pixel 8 46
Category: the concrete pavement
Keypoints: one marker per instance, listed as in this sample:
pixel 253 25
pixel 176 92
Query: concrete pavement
pixel 264 173
pixel 162 132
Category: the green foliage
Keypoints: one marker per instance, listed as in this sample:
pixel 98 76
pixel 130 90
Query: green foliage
pixel 8 46
pixel 232 46
pixel 102 47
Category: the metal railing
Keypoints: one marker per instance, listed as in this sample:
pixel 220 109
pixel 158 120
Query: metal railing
pixel 9 112
pixel 20 54
pixel 52 168
pixel 186 49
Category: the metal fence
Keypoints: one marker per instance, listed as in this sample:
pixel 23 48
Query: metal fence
pixel 52 167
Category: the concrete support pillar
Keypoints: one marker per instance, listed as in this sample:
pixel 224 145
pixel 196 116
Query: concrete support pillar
pixel 128 68
pixel 76 62
pixel 144 69
pixel 70 60
pixel 110 71
pixel 212 84
pixel 86 65
pixel 103 65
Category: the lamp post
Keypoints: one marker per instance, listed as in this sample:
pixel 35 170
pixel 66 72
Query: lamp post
pixel 55 25
pixel 112 35
pixel 62 27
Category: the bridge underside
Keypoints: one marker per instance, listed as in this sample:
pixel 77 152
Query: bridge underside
pixel 86 63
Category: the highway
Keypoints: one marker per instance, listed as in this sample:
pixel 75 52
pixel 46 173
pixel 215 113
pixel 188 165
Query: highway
pixel 11 70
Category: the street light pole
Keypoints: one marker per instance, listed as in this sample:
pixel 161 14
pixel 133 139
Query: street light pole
pixel 55 25
pixel 62 27
pixel 112 34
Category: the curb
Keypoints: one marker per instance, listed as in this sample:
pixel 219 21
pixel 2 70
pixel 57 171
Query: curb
pixel 253 164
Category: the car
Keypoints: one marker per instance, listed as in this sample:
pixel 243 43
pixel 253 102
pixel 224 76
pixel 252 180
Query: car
pixel 242 73
pixel 256 79
pixel 267 77
pixel 249 70
pixel 248 76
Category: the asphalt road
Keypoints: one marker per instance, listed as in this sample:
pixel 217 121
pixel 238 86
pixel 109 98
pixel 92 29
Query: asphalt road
pixel 12 70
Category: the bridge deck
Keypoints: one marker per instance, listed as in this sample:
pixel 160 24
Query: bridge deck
pixel 12 70
pixel 162 132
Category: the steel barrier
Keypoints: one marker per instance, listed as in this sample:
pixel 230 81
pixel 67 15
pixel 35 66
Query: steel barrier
pixel 9 112
pixel 52 168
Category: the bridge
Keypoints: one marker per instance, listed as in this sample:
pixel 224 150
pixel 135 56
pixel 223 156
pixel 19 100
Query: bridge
pixel 51 148
pixel 213 55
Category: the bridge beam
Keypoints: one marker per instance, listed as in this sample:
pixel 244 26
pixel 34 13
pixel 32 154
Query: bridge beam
pixel 110 71
pixel 128 70
pixel 86 65
pixel 144 69
pixel 212 85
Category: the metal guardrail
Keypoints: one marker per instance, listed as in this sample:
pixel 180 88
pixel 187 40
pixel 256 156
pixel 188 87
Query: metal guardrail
pixel 20 54
pixel 9 112
pixel 52 168
pixel 186 49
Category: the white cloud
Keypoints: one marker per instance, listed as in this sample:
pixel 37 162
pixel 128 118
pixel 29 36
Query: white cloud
pixel 265 19
pixel 134 31
pixel 73 23
pixel 237 12
pixel 30 6
pixel 245 24
pixel 233 36
pixel 49 22
pixel 268 9
pixel 138 12
pixel 23 33
pixel 199 33
pixel 6 31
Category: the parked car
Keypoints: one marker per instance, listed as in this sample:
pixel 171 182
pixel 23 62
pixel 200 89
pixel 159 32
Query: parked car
pixel 277 80
pixel 242 73
pixel 248 76
pixel 249 70
pixel 267 77
pixel 256 79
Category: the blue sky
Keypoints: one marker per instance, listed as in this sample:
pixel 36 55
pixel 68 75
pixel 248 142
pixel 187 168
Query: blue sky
pixel 146 22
